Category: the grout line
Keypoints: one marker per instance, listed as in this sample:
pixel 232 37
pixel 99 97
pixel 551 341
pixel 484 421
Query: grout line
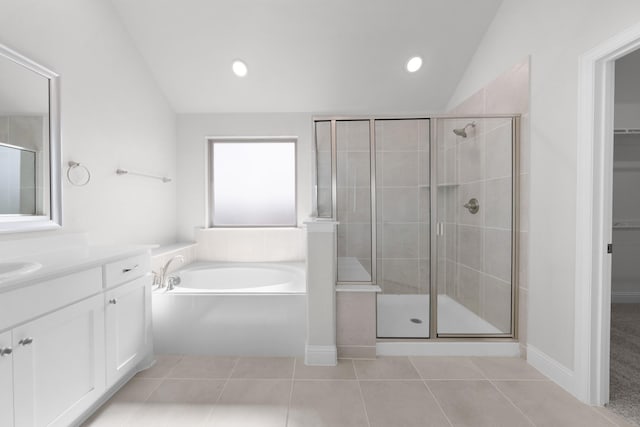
pixel 413 365
pixel 168 375
pixel 355 371
pixel 435 399
pixel 511 402
pixel 224 386
pixel 478 368
pixel 364 404
pixel 227 380
pixel 293 376
pixel 134 412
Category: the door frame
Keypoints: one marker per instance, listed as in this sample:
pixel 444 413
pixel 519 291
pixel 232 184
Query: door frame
pixel 596 84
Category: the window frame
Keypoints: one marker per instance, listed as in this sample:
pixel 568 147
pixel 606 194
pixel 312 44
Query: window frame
pixel 210 187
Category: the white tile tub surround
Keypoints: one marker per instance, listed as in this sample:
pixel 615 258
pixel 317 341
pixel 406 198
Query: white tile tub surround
pixel 251 244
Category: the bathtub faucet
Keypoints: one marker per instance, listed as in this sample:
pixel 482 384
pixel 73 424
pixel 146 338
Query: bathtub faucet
pixel 161 280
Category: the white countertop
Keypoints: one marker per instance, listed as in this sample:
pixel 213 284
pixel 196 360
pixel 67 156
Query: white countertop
pixel 60 262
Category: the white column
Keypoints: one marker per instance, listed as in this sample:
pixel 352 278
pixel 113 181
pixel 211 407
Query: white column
pixel 321 296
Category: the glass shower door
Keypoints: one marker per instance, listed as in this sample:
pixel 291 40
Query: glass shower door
pixel 353 201
pixel 403 227
pixel 475 226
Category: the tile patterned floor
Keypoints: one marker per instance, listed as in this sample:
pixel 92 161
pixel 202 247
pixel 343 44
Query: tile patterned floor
pixel 386 392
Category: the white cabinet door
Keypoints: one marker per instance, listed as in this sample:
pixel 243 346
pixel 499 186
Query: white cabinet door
pixel 59 364
pixel 6 380
pixel 128 320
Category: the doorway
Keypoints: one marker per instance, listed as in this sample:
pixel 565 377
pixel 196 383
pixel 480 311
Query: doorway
pixel 624 365
pixel 594 222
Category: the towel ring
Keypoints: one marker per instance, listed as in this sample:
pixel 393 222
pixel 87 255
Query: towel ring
pixel 78 182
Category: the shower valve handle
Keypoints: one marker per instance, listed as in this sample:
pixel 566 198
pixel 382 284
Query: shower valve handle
pixel 473 206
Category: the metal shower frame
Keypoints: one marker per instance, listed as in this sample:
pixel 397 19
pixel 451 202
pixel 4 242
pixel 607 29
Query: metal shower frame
pixel 433 207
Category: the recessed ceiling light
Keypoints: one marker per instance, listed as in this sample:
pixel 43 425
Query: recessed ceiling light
pixel 239 68
pixel 414 64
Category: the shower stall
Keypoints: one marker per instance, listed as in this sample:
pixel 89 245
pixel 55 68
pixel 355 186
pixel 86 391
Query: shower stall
pixel 427 209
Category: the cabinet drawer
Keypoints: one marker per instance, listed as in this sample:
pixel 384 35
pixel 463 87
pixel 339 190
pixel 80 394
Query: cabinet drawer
pixel 29 302
pixel 127 269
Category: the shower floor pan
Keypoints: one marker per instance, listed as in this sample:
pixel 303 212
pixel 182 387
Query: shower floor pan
pixel 407 316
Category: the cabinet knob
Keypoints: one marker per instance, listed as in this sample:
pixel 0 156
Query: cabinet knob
pixel 25 341
pixel 5 351
pixel 113 301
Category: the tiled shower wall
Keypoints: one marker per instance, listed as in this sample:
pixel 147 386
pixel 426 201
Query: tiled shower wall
pixel 509 94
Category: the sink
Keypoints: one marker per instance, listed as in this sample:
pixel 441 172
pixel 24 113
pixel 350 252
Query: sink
pixel 9 270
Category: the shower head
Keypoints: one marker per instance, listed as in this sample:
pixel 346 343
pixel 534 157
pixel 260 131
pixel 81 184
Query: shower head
pixel 463 131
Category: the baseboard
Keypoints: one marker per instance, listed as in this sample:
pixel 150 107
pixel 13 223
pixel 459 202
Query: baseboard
pixel 320 355
pixel 443 348
pixel 553 369
pixel 629 297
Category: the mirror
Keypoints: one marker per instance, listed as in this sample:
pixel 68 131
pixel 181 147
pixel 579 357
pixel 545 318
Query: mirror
pixel 29 145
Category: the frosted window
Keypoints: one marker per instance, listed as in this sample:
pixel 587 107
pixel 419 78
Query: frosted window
pixel 254 183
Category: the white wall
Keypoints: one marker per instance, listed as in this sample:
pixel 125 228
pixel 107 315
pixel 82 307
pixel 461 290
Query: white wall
pixel 113 115
pixel 191 157
pixel 555 34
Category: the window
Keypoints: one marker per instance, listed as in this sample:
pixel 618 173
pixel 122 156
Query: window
pixel 252 182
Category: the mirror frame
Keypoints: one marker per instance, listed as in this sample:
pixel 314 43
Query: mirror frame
pixel 22 223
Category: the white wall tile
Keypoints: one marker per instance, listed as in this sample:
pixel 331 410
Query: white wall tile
pixel 251 245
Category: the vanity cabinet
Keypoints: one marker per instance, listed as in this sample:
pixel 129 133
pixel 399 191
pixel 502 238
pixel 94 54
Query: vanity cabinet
pixel 128 320
pixel 64 342
pixel 58 364
pixel 6 380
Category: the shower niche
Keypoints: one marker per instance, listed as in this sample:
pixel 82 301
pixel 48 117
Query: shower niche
pixel 428 211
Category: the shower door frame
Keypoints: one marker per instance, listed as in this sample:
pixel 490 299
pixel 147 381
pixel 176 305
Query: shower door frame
pixel 433 207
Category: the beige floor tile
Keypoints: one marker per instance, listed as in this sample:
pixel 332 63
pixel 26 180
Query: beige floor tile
pixel 447 368
pixel 476 404
pixel 198 367
pixel 507 368
pixel 615 418
pixel 385 368
pixel 113 414
pixel 343 371
pixel 162 367
pixel 137 390
pixel 264 368
pixel 179 402
pixel 121 407
pixel 401 403
pixel 331 403
pixel 187 391
pixel 546 404
pixel 252 403
pixel 170 415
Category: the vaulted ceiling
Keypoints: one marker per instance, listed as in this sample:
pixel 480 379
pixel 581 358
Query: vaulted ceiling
pixel 340 56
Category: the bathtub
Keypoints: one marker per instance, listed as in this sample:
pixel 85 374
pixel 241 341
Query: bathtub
pixel 246 309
